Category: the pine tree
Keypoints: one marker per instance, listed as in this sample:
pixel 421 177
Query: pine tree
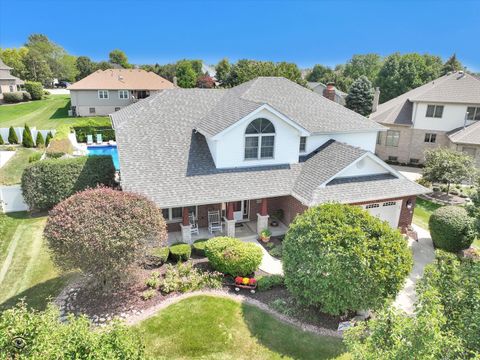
pixel 39 142
pixel 12 136
pixel 452 64
pixel 48 138
pixel 360 97
pixel 27 139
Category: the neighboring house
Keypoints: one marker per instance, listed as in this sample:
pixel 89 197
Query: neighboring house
pixel 444 112
pixel 106 91
pixel 209 70
pixel 8 82
pixel 248 151
pixel 322 89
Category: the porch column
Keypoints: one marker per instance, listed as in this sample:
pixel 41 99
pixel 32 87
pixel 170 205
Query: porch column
pixel 262 217
pixel 185 227
pixel 230 223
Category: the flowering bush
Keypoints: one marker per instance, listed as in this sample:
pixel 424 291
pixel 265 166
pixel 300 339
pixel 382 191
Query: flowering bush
pixel 103 232
pixel 245 281
pixel 184 277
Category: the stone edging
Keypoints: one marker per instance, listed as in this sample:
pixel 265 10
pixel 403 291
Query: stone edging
pixel 147 313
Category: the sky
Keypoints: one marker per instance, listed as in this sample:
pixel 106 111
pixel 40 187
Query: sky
pixel 304 32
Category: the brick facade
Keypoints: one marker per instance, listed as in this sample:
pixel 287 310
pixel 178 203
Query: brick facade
pixel 291 207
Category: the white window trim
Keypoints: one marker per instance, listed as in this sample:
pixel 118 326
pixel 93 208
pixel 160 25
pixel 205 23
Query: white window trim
pixel 398 138
pixel 171 220
pixel 300 146
pixel 475 112
pixel 103 98
pixel 259 150
pixel 435 106
pixel 122 91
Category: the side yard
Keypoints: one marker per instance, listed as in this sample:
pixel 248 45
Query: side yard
pixel 26 270
pixel 11 172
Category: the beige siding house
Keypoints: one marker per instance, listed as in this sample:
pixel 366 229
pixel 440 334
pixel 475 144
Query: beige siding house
pixel 442 113
pixel 107 91
pixel 8 82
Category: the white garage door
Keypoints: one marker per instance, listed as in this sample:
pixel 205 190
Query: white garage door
pixel 388 211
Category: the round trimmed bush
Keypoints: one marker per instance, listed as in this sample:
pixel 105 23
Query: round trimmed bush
pixel 180 251
pixel 452 229
pixel 199 247
pixel 232 256
pixel 157 257
pixel 104 232
pixel 341 258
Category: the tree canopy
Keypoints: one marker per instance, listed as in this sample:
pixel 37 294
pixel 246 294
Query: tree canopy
pixel 119 57
pixel 360 97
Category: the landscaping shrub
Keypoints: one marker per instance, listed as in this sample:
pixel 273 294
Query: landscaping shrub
pixel 27 139
pixel 451 228
pixel 34 157
pixel 35 89
pixel 1 140
pixel 58 148
pixel 26 96
pixel 157 256
pixel 39 141
pixel 46 92
pixel 48 138
pixel 46 183
pixel 81 132
pixel 44 337
pixel 199 247
pixel 342 258
pixel 13 97
pixel 148 294
pixel 184 277
pixel 270 281
pixel 153 281
pixel 12 136
pixel 104 232
pixel 180 252
pixel 232 256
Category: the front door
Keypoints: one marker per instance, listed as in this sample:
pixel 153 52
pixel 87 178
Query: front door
pixel 241 210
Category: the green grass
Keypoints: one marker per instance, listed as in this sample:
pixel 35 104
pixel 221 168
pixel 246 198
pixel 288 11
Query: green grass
pixel 207 327
pixel 28 272
pixel 49 113
pixel 11 172
pixel 423 211
pixel 476 243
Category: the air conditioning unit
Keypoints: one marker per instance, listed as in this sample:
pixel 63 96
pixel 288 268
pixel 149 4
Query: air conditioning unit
pixel 70 113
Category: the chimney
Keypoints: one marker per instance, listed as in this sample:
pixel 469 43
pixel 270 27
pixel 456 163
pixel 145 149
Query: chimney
pixel 175 80
pixel 329 91
pixel 376 98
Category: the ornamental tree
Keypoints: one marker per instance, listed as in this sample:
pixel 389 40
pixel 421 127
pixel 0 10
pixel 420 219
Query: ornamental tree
pixel 103 232
pixel 341 258
pixel 360 97
pixel 186 75
pixel 27 139
pixel 447 166
pixel 39 142
pixel 30 334
pixel 12 136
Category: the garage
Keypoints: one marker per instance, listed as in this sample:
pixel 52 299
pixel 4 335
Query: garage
pixel 388 211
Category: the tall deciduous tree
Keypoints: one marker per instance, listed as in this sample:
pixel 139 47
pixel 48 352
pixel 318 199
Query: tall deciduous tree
pixel 15 58
pixel 447 166
pixel 223 71
pixel 367 65
pixel 119 57
pixel 290 71
pixel 85 67
pixel 360 97
pixel 186 75
pixel 452 64
pixel 37 68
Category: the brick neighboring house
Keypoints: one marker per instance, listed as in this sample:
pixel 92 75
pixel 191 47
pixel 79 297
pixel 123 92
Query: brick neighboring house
pixel 246 152
pixel 106 91
pixel 444 112
pixel 8 82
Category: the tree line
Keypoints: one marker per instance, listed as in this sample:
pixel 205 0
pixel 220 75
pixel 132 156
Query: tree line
pixel 42 60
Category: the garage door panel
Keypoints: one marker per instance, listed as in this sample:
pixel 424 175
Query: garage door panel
pixel 388 211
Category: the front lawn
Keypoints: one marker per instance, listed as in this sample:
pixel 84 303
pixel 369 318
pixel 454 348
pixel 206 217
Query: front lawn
pixel 11 172
pixel 48 113
pixel 26 269
pixel 423 211
pixel 210 327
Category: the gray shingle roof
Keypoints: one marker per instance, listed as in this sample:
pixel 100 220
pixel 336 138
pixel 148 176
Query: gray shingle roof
pixel 468 135
pixel 451 88
pixel 308 109
pixel 164 158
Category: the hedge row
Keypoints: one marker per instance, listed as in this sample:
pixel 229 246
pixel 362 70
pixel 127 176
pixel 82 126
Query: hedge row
pixel 16 97
pixel 82 131
pixel 46 183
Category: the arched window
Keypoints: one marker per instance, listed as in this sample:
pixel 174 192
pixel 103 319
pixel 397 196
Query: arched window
pixel 259 139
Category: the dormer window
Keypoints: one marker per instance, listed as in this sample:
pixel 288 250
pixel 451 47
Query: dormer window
pixel 435 111
pixel 259 140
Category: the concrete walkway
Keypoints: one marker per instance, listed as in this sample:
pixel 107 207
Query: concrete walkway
pixel 269 264
pixel 423 254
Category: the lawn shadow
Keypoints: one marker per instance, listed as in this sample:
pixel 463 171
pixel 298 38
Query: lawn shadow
pixel 61 112
pixel 288 340
pixel 38 296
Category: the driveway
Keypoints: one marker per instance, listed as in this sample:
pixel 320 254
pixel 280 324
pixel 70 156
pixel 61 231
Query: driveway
pixel 411 173
pixel 58 91
pixel 423 254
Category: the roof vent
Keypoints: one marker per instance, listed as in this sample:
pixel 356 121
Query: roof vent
pixel 120 77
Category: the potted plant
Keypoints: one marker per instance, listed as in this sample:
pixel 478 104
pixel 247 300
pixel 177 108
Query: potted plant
pixel 265 235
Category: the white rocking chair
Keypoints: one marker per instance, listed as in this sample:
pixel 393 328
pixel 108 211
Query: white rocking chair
pixel 193 224
pixel 214 221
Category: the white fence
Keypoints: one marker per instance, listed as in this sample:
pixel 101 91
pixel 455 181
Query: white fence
pixel 19 131
pixel 11 199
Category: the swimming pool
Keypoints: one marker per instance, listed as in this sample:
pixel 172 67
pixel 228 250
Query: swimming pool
pixel 105 150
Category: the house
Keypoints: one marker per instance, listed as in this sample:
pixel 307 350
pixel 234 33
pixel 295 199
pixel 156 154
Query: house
pixel 329 91
pixel 263 146
pixel 444 112
pixel 106 91
pixel 8 82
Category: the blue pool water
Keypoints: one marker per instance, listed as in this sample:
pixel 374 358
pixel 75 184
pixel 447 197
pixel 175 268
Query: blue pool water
pixel 105 150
